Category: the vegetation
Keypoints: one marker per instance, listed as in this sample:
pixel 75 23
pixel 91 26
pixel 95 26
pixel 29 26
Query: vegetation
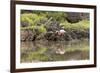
pixel 36 18
pixel 82 25
pixel 58 37
pixel 43 22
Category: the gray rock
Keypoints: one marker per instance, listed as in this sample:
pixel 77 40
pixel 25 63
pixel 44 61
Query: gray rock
pixel 74 17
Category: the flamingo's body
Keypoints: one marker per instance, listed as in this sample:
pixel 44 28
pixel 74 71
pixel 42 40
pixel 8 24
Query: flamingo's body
pixel 61 32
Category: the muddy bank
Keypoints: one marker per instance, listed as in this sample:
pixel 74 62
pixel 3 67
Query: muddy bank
pixel 70 34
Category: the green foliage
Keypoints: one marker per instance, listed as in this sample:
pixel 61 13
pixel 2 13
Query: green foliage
pixel 31 19
pixel 35 17
pixel 41 29
pixel 43 21
pixel 84 24
pixel 58 16
pixel 29 27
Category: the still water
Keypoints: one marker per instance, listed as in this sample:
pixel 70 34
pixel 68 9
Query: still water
pixel 43 51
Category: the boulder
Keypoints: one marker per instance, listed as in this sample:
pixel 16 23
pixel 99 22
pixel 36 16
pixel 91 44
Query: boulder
pixel 74 17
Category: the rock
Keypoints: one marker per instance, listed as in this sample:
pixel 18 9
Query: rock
pixel 74 17
pixel 84 16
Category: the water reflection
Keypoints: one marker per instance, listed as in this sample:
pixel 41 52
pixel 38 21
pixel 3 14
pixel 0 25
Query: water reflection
pixel 54 51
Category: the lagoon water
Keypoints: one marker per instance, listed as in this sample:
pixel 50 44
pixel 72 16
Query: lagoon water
pixel 44 51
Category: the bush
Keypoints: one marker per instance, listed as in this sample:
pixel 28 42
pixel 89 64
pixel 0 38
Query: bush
pixel 83 24
pixel 31 18
pixel 41 29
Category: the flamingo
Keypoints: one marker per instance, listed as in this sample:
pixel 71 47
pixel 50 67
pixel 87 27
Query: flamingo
pixel 60 32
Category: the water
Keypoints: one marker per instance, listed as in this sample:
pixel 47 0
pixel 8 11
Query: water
pixel 43 51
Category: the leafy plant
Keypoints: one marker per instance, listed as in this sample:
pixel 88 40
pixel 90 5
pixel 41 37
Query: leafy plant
pixel 41 29
pixel 84 24
pixel 31 18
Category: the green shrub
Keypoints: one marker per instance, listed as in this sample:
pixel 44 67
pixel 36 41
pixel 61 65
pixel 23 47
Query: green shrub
pixel 83 24
pixel 58 16
pixel 41 29
pixel 31 18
